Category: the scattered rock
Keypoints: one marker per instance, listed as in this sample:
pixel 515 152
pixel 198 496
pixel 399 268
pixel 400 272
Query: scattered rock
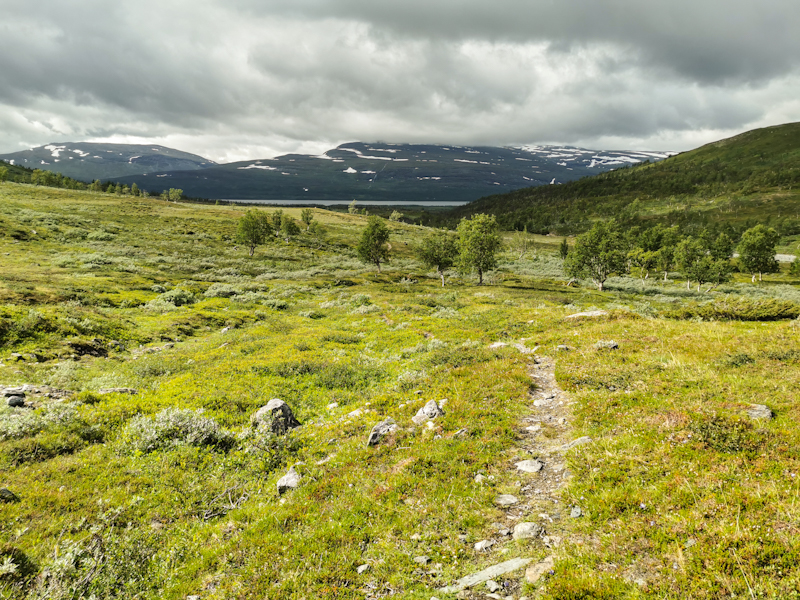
pixel 422 560
pixel 122 390
pixel 430 411
pixel 524 531
pixel 542 402
pixel 7 495
pixel 333 405
pixel 587 314
pixel 578 442
pixel 362 569
pixel 483 545
pixel 562 348
pixel 498 570
pixel 16 401
pixel 380 430
pixel 759 411
pixel 496 345
pixel 576 512
pixel 12 391
pixel 492 585
pixel 290 481
pixel 524 349
pixel 277 416
pixel 535 572
pixel 606 345
pixel 461 433
pixel 530 466
pixel 17 356
pixel 480 478
pixel 534 428
pixel 506 500
pixel 356 413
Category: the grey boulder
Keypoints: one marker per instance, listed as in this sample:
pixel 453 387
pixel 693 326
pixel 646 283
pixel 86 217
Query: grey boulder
pixel 16 401
pixel 7 495
pixel 430 411
pixel 277 416
pixel 380 430
pixel 760 411
pixel 290 481
pixel 524 531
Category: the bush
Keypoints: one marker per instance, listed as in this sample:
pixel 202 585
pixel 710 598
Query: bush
pixel 174 427
pixel 738 309
pixel 221 290
pixel 724 434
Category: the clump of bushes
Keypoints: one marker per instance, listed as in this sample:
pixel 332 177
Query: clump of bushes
pixel 174 427
pixel 738 309
pixel 170 300
pixel 725 434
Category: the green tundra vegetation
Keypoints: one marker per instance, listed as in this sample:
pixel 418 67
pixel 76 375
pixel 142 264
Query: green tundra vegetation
pixel 158 336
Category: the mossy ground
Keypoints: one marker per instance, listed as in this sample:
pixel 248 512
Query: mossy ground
pixel 682 495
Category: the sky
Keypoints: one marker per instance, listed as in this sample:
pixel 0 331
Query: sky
pixel 244 79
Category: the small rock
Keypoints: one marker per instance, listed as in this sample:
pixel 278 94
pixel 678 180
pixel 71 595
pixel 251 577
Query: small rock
pixel 524 531
pixel 530 466
pixel 542 402
pixel 587 314
pixel 422 560
pixel 356 413
pixel 562 348
pixel 416 537
pixel 489 573
pixel 534 428
pixel 575 512
pixel 362 569
pixel 606 345
pixel 16 401
pixel 578 442
pixel 535 572
pixel 483 545
pixel 492 585
pixel 121 390
pixel 497 345
pixel 7 495
pixel 430 411
pixel 17 356
pixel 506 500
pixel 380 430
pixel 333 405
pixel 461 433
pixel 759 411
pixel 289 481
pixel 277 416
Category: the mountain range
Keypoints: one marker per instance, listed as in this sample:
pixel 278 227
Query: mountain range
pixel 400 173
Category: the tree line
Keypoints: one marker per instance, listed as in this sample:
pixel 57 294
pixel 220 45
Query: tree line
pixel 608 249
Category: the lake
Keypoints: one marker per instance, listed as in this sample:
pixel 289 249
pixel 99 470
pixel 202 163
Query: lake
pixel 359 203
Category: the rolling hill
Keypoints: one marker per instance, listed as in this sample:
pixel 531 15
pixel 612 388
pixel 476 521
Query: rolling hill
pixel 746 177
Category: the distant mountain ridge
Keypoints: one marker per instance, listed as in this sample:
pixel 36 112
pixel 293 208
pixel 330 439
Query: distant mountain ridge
pixel 88 161
pixel 400 173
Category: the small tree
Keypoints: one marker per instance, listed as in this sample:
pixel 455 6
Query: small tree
pixel 289 227
pixel 372 247
pixel 438 251
pixel 395 216
pixel 277 220
pixel 306 216
pixel 352 207
pixel 254 229
pixel 135 190
pixel 478 244
pixel 757 250
pixel 3 173
pixel 697 262
pixel 598 254
pixel 563 249
pixel 175 194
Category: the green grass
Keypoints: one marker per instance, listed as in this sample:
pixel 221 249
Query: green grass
pixel 680 490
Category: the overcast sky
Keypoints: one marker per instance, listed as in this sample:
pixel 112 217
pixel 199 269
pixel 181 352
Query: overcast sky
pixel 241 79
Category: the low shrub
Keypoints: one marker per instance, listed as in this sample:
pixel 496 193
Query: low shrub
pixel 738 309
pixel 173 427
pixel 725 434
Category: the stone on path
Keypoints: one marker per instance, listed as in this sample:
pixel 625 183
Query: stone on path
pixel 289 481
pixel 535 572
pixel 483 545
pixel 277 416
pixel 587 314
pixel 498 570
pixel 506 500
pixel 430 411
pixel 759 411
pixel 492 585
pixel 524 531
pixel 380 430
pixel 530 466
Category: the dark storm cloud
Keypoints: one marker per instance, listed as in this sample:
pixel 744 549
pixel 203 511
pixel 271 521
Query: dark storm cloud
pixel 247 78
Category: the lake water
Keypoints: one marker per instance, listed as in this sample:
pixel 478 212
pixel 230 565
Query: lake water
pixel 359 203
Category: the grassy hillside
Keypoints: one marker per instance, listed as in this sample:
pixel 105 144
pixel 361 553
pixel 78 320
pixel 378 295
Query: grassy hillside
pixel 753 175
pixel 120 496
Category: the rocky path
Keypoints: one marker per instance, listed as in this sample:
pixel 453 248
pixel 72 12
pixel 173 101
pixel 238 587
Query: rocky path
pixel 537 514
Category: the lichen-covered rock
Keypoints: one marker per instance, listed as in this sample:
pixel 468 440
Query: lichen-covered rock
pixel 759 411
pixel 430 411
pixel 7 495
pixel 380 430
pixel 277 416
pixel 290 481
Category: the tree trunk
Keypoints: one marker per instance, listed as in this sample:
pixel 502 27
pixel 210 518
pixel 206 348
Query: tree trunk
pixel 759 276
pixel 688 284
pixel 600 286
pixel 753 278
pixel 665 275
pixel 252 250
pixel 441 274
pixel 378 263
pixel 480 277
